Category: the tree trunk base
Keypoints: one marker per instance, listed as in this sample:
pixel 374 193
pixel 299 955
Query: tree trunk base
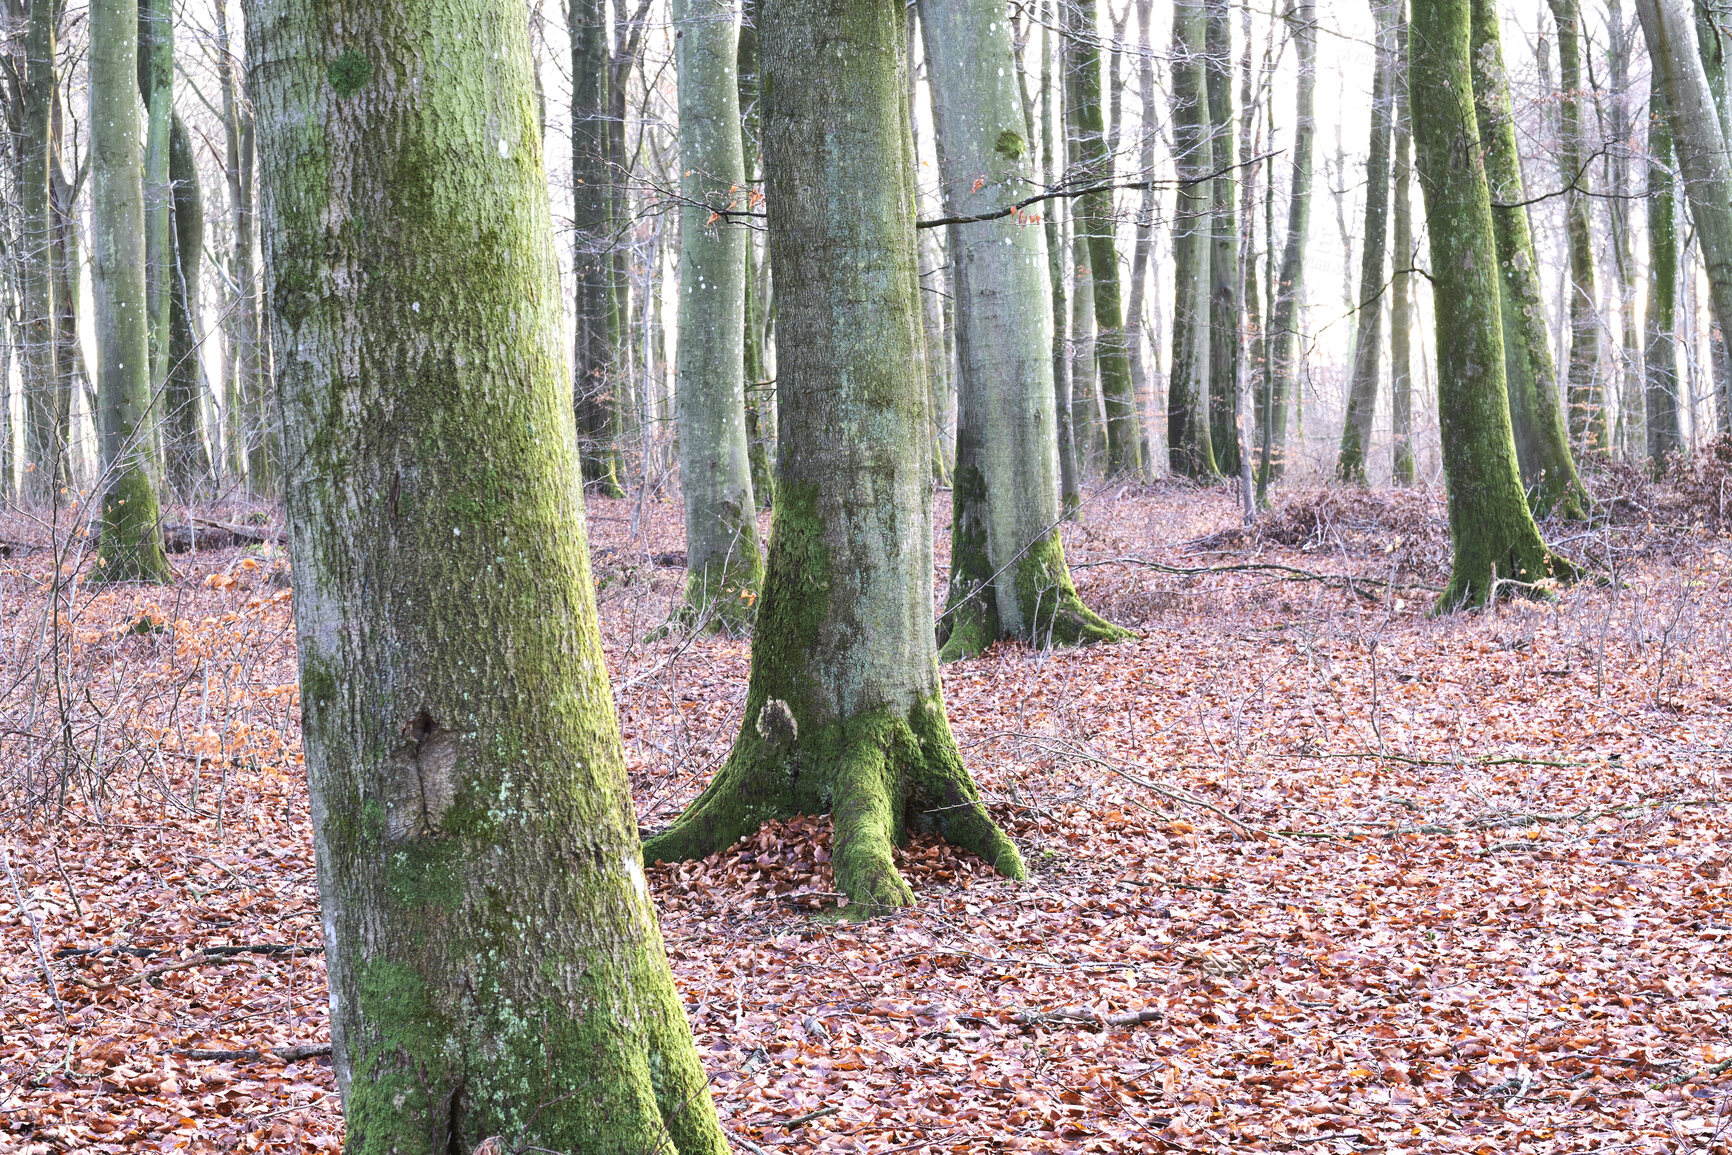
pixel 879 775
pixel 1526 566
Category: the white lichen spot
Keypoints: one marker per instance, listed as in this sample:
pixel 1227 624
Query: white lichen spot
pixel 504 149
pixel 414 306
pixel 634 870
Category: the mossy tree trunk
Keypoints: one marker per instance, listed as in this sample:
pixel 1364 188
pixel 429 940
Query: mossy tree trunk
pixel 156 91
pixel 46 427
pixel 251 429
pixel 1096 231
pixel 1491 528
pixel 1660 356
pixel 1542 435
pixel 760 389
pixel 1224 303
pixel 1401 278
pixel 1713 43
pixel 1701 146
pixel 187 451
pixel 1356 429
pixel 844 713
pixel 1587 420
pixel 598 323
pixel 130 544
pixel 1008 577
pixel 1054 164
pixel 1190 447
pixel 494 960
pixel 1290 286
pixel 1144 366
pixel 723 565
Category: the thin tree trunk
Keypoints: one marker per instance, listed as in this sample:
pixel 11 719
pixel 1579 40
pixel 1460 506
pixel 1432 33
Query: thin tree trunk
pixel 1493 532
pixel 1053 154
pixel 596 382
pixel 844 712
pixel 1401 279
pixel 494 961
pixel 1361 415
pixel 1136 307
pixel 1587 406
pixel 1008 577
pixel 1713 41
pixel 1620 136
pixel 1095 228
pixel 1661 355
pixel 189 459
pixel 1541 434
pixel 760 390
pixel 723 565
pixel 1289 290
pixel 1701 148
pixel 1224 297
pixel 256 447
pixel 156 90
pixel 1190 447
pixel 46 424
pixel 130 542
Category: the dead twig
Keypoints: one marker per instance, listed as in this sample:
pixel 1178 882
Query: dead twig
pixel 35 935
pixel 287 1054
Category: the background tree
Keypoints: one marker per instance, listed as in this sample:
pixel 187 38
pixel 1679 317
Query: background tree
pixel 130 543
pixel 1053 162
pixel 760 390
pixel 1660 356
pixel 1491 529
pixel 1402 254
pixel 1302 22
pixel 1587 407
pixel 1190 449
pixel 1008 577
pixel 36 145
pixel 723 565
pixel 1145 359
pixel 1541 434
pixel 184 443
pixel 493 956
pixel 254 448
pixel 844 712
pixel 1224 295
pixel 1368 326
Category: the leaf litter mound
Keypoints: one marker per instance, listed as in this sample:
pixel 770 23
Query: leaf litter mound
pixel 1311 870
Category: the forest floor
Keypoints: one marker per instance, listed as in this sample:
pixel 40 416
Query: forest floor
pixel 1311 870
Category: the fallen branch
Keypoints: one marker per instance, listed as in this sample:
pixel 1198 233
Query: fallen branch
pixel 287 1054
pixel 1086 1018
pixel 1292 573
pixel 35 935
pixel 268 948
pixel 1183 797
pixel 1679 1080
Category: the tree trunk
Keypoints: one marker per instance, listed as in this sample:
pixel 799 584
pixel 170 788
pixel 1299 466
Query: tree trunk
pixel 46 425
pixel 255 448
pixel 1190 448
pixel 1356 429
pixel 1493 532
pixel 1095 229
pixel 1713 40
pixel 844 712
pixel 189 459
pixel 130 545
pixel 1051 114
pixel 1136 307
pixel 1700 144
pixel 1008 577
pixel 1661 355
pixel 1401 280
pixel 598 328
pixel 1290 289
pixel 156 91
pixel 494 961
pixel 760 390
pixel 723 565
pixel 1542 439
pixel 1587 407
pixel 1621 131
pixel 1224 307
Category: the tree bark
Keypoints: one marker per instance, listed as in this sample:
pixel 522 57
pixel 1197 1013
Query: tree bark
pixel 1008 577
pixel 46 422
pixel 1542 438
pixel 1289 290
pixel 1356 429
pixel 1587 408
pixel 1190 446
pixel 1095 229
pixel 844 712
pixel 130 543
pixel 254 447
pixel 598 322
pixel 1493 532
pixel 156 91
pixel 1224 298
pixel 1713 39
pixel 1401 279
pixel 1053 157
pixel 760 390
pixel 494 961
pixel 1144 365
pixel 188 455
pixel 1700 144
pixel 1660 357
pixel 1620 135
pixel 723 565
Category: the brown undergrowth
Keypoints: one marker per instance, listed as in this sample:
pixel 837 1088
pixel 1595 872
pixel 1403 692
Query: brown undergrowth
pixel 1312 870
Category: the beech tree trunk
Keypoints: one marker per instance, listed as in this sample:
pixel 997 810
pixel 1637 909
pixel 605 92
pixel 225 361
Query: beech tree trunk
pixel 130 543
pixel 1096 229
pixel 1628 351
pixel 1289 290
pixel 1660 357
pixel 1587 406
pixel 1701 146
pixel 1713 42
pixel 1541 432
pixel 1144 365
pixel 1401 279
pixel 723 565
pixel 1492 531
pixel 1190 446
pixel 1224 306
pixel 184 443
pixel 1008 577
pixel 251 434
pixel 598 320
pixel 1368 330
pixel 760 389
pixel 1053 156
pixel 156 90
pixel 844 712
pixel 45 425
pixel 494 961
